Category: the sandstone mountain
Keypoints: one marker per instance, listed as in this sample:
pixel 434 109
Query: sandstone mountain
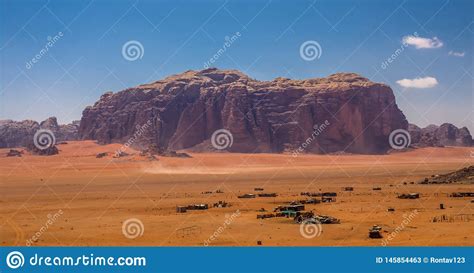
pixel 343 112
pixel 438 136
pixel 21 133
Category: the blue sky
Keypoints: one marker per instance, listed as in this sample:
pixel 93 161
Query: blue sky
pixel 354 36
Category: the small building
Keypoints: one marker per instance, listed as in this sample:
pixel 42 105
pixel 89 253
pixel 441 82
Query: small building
pixel 298 207
pixel 312 201
pixel 258 189
pixel 328 199
pixel 201 206
pixel 374 232
pixel 376 188
pixel 247 195
pixel 326 219
pixel 197 207
pixel 462 194
pixel 409 196
pixel 311 194
pixel 221 204
pixel 303 216
pixel 181 209
pixel 267 195
pixel 348 188
pixel 289 213
pixel 265 216
pixel 329 194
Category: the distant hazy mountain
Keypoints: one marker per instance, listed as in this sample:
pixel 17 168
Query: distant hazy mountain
pixel 444 135
pixel 21 133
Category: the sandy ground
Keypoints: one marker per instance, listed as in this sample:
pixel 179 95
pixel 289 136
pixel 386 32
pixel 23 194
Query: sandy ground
pixel 75 198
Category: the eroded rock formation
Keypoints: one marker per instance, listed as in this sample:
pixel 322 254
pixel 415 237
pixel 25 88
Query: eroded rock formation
pixel 21 133
pixel 343 112
pixel 438 136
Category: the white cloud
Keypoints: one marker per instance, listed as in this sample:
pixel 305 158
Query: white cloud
pixel 457 54
pixel 420 42
pixel 426 82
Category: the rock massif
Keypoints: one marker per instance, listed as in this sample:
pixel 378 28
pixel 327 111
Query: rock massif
pixel 439 136
pixel 343 112
pixel 21 133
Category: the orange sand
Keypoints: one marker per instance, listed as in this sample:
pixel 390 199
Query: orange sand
pixel 96 196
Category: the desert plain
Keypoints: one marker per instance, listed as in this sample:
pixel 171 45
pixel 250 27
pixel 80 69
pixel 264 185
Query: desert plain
pixel 92 198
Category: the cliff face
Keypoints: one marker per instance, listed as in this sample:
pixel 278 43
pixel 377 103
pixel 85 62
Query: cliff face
pixel 445 135
pixel 183 111
pixel 21 133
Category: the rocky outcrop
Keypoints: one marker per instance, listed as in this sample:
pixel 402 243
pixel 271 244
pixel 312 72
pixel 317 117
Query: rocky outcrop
pixel 38 150
pixel 69 131
pixel 17 133
pixel 14 153
pixel 439 136
pixel 21 133
pixel 343 112
pixel 464 175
